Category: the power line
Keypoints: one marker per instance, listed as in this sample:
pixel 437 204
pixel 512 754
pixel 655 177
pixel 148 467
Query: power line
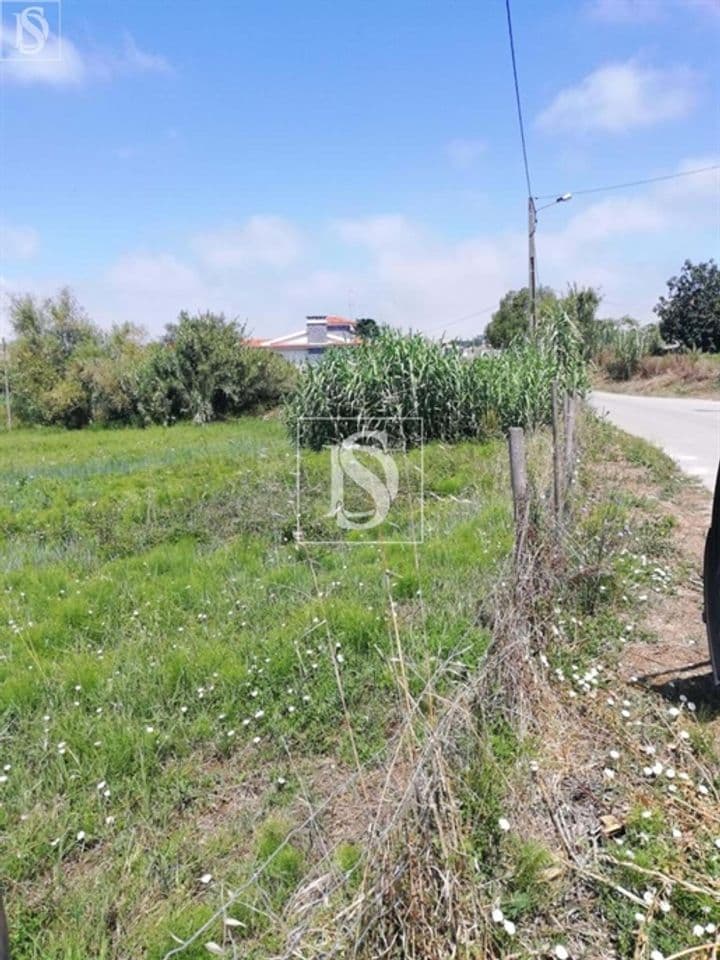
pixel 634 183
pixel 517 97
pixel 467 316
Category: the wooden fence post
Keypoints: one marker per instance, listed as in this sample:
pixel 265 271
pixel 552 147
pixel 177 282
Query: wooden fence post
pixel 4 940
pixel 570 439
pixel 6 384
pixel 557 455
pixel 519 483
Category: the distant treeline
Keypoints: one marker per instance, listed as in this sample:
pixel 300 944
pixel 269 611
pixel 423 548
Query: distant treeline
pixel 64 370
pixel 688 317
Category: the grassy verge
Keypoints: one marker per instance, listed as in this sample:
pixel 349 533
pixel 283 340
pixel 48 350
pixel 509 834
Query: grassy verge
pixel 562 807
pixel 180 679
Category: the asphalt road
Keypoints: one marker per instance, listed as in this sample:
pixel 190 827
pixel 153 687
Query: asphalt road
pixel 687 430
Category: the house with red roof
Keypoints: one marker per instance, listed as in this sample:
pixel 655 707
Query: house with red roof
pixel 308 345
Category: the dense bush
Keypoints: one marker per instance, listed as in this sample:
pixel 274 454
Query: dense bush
pixel 53 340
pixel 64 370
pixel 690 314
pixel 621 348
pixel 203 370
pixel 394 381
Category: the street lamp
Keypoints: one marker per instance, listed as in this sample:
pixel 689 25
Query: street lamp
pixel 532 225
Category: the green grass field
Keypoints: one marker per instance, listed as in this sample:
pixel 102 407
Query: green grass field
pixel 175 670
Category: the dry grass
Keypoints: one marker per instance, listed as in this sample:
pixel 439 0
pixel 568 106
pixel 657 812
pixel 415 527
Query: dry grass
pixel 668 375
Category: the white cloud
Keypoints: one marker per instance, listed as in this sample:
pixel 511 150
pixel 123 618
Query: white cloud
pixel 146 289
pixel 61 63
pixel 401 272
pixel 131 59
pixel 625 11
pixel 262 240
pixel 17 243
pixel 387 231
pixel 615 216
pixel 620 97
pixel 699 193
pixel 645 11
pixel 149 273
pixel 620 242
pixel 464 153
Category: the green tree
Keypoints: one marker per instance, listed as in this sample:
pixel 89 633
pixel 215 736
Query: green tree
pixel 51 338
pixel 511 319
pixel 204 369
pixel 690 314
pixel 211 364
pixel 366 328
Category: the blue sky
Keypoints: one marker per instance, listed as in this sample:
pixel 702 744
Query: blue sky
pixel 273 160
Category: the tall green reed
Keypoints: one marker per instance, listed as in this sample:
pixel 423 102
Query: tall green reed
pixel 421 390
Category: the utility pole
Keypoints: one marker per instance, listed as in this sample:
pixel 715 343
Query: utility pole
pixel 532 224
pixel 8 403
pixel 532 262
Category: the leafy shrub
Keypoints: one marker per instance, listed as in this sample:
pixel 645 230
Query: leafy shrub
pixel 203 369
pixel 112 376
pixel 67 404
pixel 50 336
pixel 66 371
